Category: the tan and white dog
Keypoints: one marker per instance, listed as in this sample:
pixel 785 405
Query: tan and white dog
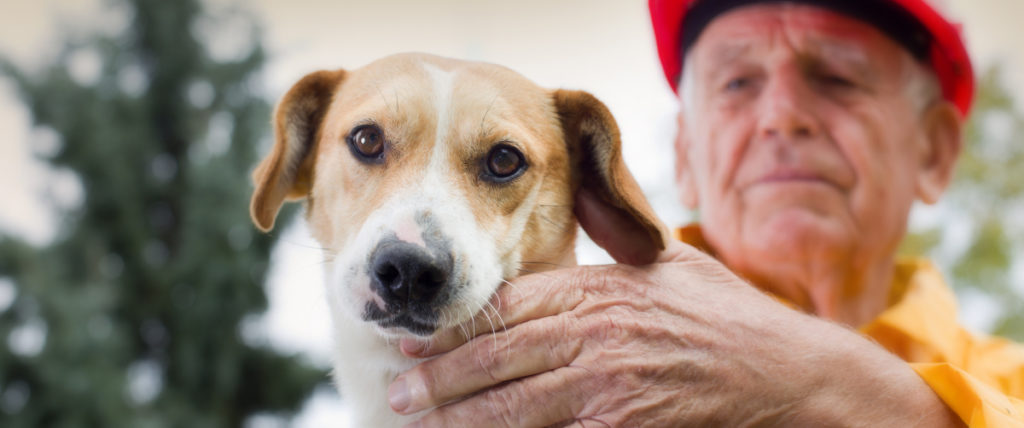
pixel 429 182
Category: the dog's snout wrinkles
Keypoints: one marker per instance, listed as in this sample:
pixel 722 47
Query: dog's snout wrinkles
pixel 406 272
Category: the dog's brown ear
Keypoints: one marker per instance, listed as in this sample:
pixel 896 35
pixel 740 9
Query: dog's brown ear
pixel 287 172
pixel 609 204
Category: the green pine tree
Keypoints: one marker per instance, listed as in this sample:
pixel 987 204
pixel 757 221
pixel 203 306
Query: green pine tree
pixel 134 315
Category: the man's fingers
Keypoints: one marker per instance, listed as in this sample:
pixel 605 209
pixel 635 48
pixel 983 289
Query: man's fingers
pixel 527 298
pixel 534 296
pixel 676 251
pixel 535 401
pixel 485 362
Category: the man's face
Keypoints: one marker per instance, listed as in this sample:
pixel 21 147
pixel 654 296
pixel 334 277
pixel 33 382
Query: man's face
pixel 800 137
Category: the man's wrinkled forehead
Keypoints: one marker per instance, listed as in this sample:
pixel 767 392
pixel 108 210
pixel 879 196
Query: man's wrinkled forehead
pixel 807 30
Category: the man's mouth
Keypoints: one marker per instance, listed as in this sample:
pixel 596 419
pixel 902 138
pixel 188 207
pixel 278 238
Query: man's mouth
pixel 793 176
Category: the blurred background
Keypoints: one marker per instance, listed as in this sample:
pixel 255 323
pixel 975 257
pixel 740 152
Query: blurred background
pixel 134 290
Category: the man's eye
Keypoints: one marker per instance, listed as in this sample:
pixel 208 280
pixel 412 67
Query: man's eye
pixel 835 80
pixel 737 84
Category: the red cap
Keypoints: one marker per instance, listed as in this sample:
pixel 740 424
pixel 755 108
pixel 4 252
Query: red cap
pixel 948 56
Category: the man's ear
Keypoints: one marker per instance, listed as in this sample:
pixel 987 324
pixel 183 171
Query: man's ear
pixel 685 183
pixel 609 204
pixel 287 172
pixel 943 141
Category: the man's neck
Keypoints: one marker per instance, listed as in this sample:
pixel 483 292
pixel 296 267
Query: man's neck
pixel 841 289
pixel 848 293
pixel 853 299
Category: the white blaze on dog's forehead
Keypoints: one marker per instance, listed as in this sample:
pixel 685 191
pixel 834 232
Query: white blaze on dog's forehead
pixel 437 183
pixel 444 85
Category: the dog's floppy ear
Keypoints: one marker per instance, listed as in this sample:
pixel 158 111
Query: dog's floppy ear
pixel 609 204
pixel 287 172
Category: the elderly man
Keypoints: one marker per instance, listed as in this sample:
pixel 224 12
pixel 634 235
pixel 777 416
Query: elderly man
pixel 807 129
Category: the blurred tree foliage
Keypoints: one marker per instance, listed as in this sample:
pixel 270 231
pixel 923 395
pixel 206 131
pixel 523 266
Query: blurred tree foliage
pixel 136 314
pixel 988 194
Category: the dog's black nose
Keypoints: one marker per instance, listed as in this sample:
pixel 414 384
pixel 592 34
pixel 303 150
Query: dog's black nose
pixel 405 273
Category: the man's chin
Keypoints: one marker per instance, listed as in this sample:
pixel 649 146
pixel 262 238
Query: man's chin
pixel 798 230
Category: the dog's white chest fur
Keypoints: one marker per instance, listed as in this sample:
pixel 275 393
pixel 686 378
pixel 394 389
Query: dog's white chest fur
pixel 364 367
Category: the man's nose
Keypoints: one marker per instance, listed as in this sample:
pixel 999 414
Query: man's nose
pixel 787 108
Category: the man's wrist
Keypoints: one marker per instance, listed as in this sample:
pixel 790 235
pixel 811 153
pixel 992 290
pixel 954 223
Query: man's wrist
pixel 864 382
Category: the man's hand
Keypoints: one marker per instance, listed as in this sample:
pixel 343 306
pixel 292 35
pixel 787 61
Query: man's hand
pixel 682 342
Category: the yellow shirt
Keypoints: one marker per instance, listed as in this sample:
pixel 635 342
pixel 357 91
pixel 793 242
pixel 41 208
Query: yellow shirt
pixel 980 377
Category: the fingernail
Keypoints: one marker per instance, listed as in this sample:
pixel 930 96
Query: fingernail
pixel 398 395
pixel 412 347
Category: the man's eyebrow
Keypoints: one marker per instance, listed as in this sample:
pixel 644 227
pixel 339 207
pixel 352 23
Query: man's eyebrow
pixel 847 55
pixel 726 53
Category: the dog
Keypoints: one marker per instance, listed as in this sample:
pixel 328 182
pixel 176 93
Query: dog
pixel 429 182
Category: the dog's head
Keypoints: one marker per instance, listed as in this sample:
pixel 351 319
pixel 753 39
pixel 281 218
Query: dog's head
pixel 429 181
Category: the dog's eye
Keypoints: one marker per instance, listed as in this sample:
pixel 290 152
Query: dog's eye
pixel 505 162
pixel 367 141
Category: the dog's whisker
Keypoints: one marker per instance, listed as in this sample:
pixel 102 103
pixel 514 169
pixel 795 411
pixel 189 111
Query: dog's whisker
pixel 398 106
pixel 513 286
pixel 563 212
pixel 538 273
pixel 499 300
pixel 494 333
pixel 496 315
pixel 454 316
pixel 489 321
pixel 376 84
pixel 323 261
pixel 451 316
pixel 312 247
pixel 442 317
pixel 462 328
pixel 472 327
pixel 504 328
pixel 478 356
pixel 546 263
pixel 547 219
pixel 484 117
pixel 472 324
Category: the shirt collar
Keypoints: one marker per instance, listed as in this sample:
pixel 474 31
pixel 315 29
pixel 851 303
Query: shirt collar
pixel 917 286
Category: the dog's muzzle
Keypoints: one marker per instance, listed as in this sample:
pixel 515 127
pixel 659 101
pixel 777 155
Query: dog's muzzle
pixel 411 280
